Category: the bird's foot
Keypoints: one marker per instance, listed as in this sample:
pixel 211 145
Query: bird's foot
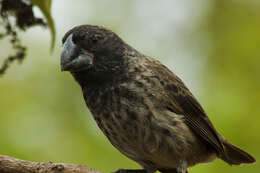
pixel 170 171
pixel 131 171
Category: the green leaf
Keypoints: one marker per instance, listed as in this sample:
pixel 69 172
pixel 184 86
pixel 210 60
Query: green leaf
pixel 45 7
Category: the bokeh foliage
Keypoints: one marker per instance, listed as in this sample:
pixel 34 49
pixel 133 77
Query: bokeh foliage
pixel 43 115
pixel 18 15
pixel 45 8
pixel 232 76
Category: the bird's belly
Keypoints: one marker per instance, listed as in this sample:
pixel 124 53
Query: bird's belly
pixel 154 144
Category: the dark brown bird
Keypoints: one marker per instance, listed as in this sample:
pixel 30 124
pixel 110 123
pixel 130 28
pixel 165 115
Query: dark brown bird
pixel 143 108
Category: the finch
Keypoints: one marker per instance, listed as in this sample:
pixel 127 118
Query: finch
pixel 143 108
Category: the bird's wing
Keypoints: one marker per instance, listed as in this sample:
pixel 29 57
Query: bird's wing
pixel 196 119
pixel 183 102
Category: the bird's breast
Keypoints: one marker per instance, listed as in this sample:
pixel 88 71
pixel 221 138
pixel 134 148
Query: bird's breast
pixel 122 113
pixel 136 122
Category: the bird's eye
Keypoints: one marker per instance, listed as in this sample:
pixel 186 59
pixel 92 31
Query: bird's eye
pixel 94 40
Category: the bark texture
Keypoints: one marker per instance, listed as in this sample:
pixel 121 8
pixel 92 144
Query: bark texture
pixel 12 165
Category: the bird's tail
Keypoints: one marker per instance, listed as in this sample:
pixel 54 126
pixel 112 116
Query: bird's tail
pixel 236 156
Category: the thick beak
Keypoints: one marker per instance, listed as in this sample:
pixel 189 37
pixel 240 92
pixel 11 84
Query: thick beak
pixel 72 59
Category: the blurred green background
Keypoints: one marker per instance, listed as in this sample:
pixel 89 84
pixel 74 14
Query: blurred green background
pixel 214 46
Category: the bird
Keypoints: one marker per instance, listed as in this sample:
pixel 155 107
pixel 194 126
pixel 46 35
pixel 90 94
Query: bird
pixel 141 106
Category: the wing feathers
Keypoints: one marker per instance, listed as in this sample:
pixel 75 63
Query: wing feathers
pixel 199 122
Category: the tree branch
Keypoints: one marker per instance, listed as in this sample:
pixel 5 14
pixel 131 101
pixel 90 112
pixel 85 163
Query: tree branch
pixel 13 165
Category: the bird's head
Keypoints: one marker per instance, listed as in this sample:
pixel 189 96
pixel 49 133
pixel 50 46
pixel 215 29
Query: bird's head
pixel 91 48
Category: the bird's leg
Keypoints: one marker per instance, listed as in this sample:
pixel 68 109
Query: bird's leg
pixel 131 171
pixel 169 171
pixel 182 167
